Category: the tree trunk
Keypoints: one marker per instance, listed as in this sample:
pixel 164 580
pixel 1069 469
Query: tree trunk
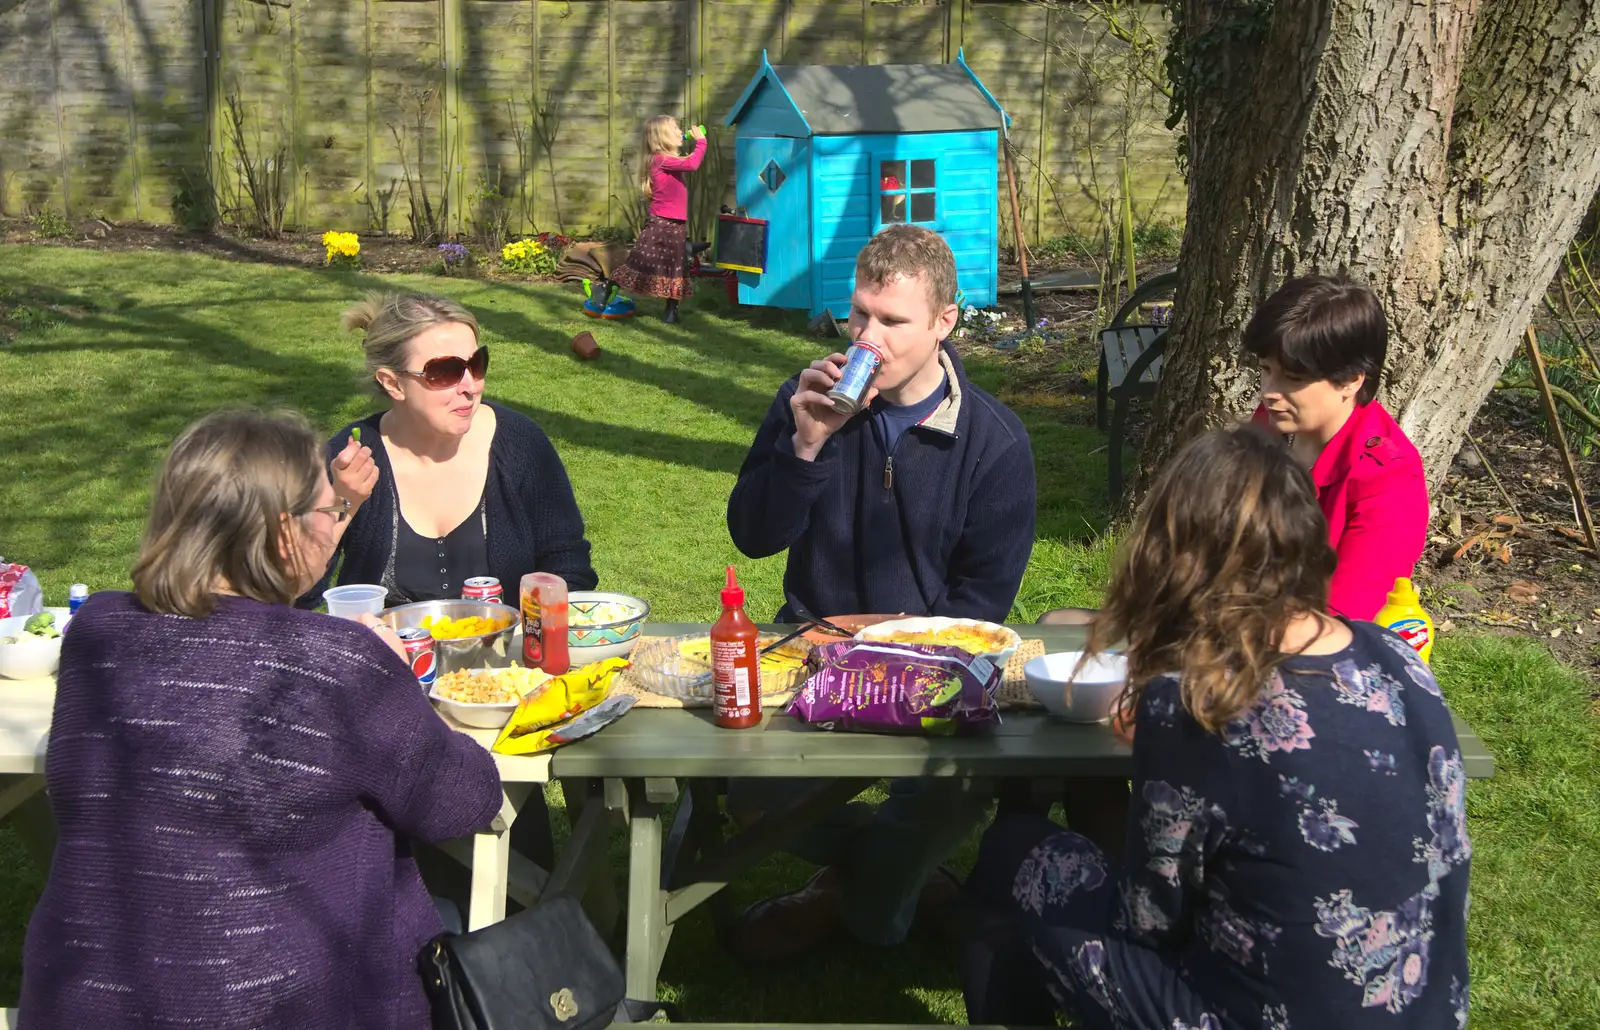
pixel 1444 152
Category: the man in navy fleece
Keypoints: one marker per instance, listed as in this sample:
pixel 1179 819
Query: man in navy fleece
pixel 921 503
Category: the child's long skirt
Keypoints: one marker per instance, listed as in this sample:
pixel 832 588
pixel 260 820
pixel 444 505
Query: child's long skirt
pixel 656 265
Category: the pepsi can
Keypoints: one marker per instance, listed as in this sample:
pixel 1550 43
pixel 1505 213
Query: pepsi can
pixel 76 595
pixel 482 588
pixel 861 364
pixel 421 654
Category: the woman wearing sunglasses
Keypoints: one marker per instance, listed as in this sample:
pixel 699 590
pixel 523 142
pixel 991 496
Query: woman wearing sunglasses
pixel 235 781
pixel 456 487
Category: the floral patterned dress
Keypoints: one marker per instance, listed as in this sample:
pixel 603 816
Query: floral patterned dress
pixel 1305 868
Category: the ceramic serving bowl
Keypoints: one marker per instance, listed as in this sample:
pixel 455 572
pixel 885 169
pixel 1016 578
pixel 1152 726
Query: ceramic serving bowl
pixel 484 651
pixel 30 659
pixel 595 633
pixel 999 656
pixel 1077 695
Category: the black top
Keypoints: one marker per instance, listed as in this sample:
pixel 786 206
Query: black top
pixel 432 568
pixel 531 520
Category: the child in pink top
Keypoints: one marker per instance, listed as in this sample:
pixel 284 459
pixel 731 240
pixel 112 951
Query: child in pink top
pixel 657 265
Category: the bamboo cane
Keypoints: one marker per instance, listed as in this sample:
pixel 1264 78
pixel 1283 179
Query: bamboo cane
pixel 1585 520
pixel 1022 249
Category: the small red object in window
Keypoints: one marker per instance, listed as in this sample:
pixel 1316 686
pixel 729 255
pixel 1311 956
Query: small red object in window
pixel 889 182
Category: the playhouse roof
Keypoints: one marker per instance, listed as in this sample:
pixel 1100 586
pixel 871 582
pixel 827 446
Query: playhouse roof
pixel 836 100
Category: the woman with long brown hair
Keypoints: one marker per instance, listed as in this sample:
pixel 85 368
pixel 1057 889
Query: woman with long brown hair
pixel 1296 851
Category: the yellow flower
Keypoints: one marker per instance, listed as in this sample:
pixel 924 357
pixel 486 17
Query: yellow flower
pixel 341 244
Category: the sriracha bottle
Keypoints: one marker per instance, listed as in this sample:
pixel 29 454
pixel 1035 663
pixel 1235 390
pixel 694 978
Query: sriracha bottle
pixel 735 662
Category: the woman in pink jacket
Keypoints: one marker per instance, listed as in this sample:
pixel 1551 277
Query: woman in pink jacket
pixel 1322 342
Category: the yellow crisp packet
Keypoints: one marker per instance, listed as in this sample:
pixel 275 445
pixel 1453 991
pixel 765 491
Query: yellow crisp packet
pixel 551 737
pixel 557 700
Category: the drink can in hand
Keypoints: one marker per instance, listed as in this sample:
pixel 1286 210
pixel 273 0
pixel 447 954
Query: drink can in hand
pixel 421 654
pixel 861 364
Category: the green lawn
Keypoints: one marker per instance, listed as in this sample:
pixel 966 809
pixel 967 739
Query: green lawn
pixel 113 354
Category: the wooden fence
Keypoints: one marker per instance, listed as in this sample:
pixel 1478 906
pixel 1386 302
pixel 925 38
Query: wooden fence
pixel 357 108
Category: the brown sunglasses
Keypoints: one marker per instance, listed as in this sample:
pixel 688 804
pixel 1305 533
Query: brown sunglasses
pixel 443 373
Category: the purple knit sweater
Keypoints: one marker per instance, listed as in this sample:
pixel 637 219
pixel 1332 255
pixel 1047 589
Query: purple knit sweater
pixel 234 796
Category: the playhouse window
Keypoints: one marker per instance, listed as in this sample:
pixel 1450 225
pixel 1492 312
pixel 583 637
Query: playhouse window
pixel 904 197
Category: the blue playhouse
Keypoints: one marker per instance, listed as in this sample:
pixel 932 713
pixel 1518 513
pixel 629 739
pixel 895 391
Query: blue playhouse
pixel 827 156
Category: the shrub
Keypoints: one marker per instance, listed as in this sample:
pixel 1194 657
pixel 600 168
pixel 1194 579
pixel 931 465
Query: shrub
pixel 51 224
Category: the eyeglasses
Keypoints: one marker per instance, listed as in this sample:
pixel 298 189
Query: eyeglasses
pixel 443 373
pixel 339 511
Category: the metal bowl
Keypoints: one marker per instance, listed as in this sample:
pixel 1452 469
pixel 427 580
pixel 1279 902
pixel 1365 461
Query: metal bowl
pixel 484 651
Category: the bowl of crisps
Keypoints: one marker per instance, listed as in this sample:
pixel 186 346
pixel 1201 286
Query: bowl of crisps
pixel 485 698
pixel 467 634
pixel 603 625
pixel 980 639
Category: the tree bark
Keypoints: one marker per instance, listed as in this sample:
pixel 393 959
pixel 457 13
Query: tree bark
pixel 1445 152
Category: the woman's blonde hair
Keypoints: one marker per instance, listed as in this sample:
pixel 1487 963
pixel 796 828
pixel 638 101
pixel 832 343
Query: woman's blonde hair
pixel 1229 548
pixel 392 320
pixel 216 518
pixel 659 138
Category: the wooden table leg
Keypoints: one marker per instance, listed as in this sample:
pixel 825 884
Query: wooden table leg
pixel 491 859
pixel 647 923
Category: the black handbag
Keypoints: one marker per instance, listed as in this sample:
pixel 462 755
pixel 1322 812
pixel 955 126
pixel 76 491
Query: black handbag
pixel 545 968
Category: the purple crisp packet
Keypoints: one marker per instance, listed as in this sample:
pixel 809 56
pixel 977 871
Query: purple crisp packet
pixel 872 687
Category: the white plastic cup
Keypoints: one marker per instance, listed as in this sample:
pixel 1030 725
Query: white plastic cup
pixel 353 599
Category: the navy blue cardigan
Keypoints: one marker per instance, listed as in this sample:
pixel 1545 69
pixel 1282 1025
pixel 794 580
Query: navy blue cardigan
pixel 963 494
pixel 533 523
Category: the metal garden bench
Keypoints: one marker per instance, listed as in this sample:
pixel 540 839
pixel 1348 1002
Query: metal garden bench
pixel 1130 366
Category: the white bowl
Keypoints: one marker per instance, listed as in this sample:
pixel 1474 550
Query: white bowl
pixel 30 659
pixel 1087 697
pixel 884 630
pixel 477 714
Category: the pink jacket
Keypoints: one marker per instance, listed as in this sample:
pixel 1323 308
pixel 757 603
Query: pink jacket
pixel 670 197
pixel 1373 491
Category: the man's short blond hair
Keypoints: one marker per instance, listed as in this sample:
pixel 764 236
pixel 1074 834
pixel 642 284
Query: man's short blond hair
pixel 914 253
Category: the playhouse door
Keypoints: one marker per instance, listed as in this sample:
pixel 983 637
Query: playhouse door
pixel 773 184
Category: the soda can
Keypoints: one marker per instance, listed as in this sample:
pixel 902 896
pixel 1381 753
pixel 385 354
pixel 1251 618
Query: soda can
pixel 481 588
pixel 420 653
pixel 861 364
pixel 76 595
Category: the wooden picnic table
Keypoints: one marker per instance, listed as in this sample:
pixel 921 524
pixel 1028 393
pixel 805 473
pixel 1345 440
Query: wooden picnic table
pixel 654 759
pixel 659 762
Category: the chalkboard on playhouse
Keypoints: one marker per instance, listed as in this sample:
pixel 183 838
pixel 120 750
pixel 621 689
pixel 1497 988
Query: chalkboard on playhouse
pixel 742 243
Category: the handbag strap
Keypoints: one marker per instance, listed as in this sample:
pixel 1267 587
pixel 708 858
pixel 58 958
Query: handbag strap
pixel 632 1010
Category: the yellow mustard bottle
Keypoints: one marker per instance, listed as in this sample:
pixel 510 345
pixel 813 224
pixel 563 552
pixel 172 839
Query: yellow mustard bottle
pixel 1404 615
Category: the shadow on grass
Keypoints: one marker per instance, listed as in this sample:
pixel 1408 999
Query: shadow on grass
pixel 121 327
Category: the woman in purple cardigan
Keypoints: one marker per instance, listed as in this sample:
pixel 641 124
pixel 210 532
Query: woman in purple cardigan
pixel 235 780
